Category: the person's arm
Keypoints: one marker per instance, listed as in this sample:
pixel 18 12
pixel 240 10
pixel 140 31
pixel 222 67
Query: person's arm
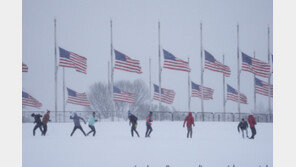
pixel 82 120
pixel 184 122
pixel 238 126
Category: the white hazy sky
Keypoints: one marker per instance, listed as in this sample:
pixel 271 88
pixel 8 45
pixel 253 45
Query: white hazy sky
pixel 83 27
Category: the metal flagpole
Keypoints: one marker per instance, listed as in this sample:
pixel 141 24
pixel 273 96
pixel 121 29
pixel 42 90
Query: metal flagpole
pixel 269 93
pixel 189 95
pixel 202 72
pixel 112 74
pixel 238 72
pixel 224 100
pixel 159 68
pixel 254 87
pixel 64 107
pixel 109 76
pixel 55 69
pixel 150 84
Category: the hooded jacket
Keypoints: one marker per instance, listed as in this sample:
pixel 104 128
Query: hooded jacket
pixel 189 119
pixel 76 120
pixel 252 121
pixel 45 118
pixel 92 120
pixel 149 120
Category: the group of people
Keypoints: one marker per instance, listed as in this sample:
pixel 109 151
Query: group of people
pixel 243 126
pixel 189 121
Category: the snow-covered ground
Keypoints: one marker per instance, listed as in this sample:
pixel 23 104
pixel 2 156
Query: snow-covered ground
pixel 213 144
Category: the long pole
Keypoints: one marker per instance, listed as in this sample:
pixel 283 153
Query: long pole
pixel 189 95
pixel 202 72
pixel 159 68
pixel 55 69
pixel 109 77
pixel 112 74
pixel 64 106
pixel 224 100
pixel 269 93
pixel 238 72
pixel 254 87
pixel 150 84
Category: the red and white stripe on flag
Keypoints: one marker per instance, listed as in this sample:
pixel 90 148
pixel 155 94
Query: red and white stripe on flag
pixel 207 93
pixel 77 98
pixel 25 68
pixel 167 96
pixel 234 97
pixel 30 101
pixel 73 60
pixel 124 97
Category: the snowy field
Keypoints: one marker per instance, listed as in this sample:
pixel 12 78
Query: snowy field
pixel 213 144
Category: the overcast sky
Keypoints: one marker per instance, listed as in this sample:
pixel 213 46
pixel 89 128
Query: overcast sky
pixel 83 27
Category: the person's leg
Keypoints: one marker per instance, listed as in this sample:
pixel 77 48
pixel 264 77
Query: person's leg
pixel 187 131
pixel 135 129
pixel 79 127
pixel 94 130
pixel 243 133
pixel 44 129
pixel 255 132
pixel 190 131
pixel 150 130
pixel 91 130
pixel 147 129
pixel 132 130
pixel 74 129
pixel 34 129
pixel 247 133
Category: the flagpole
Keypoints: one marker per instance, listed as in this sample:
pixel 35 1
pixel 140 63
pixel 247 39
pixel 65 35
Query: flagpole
pixel 64 94
pixel 112 74
pixel 224 101
pixel 159 68
pixel 109 76
pixel 150 84
pixel 55 68
pixel 238 71
pixel 254 87
pixel 202 72
pixel 269 93
pixel 189 95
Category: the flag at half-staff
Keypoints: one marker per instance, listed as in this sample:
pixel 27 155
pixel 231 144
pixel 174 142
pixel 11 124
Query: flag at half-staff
pixel 232 94
pixel 167 95
pixel 25 68
pixel 77 98
pixel 255 66
pixel 173 63
pixel 212 64
pixel 30 101
pixel 125 63
pixel 72 60
pixel 122 96
pixel 196 91
pixel 262 87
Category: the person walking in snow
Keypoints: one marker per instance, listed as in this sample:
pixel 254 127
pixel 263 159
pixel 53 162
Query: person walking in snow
pixel 190 121
pixel 76 120
pixel 148 125
pixel 133 120
pixel 37 121
pixel 252 123
pixel 45 121
pixel 91 121
pixel 243 126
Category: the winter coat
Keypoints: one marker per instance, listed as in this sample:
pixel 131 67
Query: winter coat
pixel 45 118
pixel 76 120
pixel 132 118
pixel 242 126
pixel 149 120
pixel 252 121
pixel 37 118
pixel 189 119
pixel 92 120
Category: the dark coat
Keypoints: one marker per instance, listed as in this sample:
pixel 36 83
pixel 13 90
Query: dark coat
pixel 37 118
pixel 133 119
pixel 242 125
pixel 76 120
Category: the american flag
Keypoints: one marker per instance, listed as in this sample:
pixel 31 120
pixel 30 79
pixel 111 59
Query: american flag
pixel 232 94
pixel 167 95
pixel 25 68
pixel 212 64
pixel 125 63
pixel 255 66
pixel 119 95
pixel 72 60
pixel 262 87
pixel 173 63
pixel 77 98
pixel 30 101
pixel 196 91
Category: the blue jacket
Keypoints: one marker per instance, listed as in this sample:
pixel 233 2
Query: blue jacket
pixel 92 120
pixel 76 120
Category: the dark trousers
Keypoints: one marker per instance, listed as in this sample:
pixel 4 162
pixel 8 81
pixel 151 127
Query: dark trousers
pixel 38 125
pixel 134 127
pixel 253 132
pixel 44 129
pixel 78 127
pixel 148 130
pixel 93 129
pixel 189 131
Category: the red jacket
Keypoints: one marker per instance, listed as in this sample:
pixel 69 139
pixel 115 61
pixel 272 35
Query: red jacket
pixel 252 121
pixel 189 119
